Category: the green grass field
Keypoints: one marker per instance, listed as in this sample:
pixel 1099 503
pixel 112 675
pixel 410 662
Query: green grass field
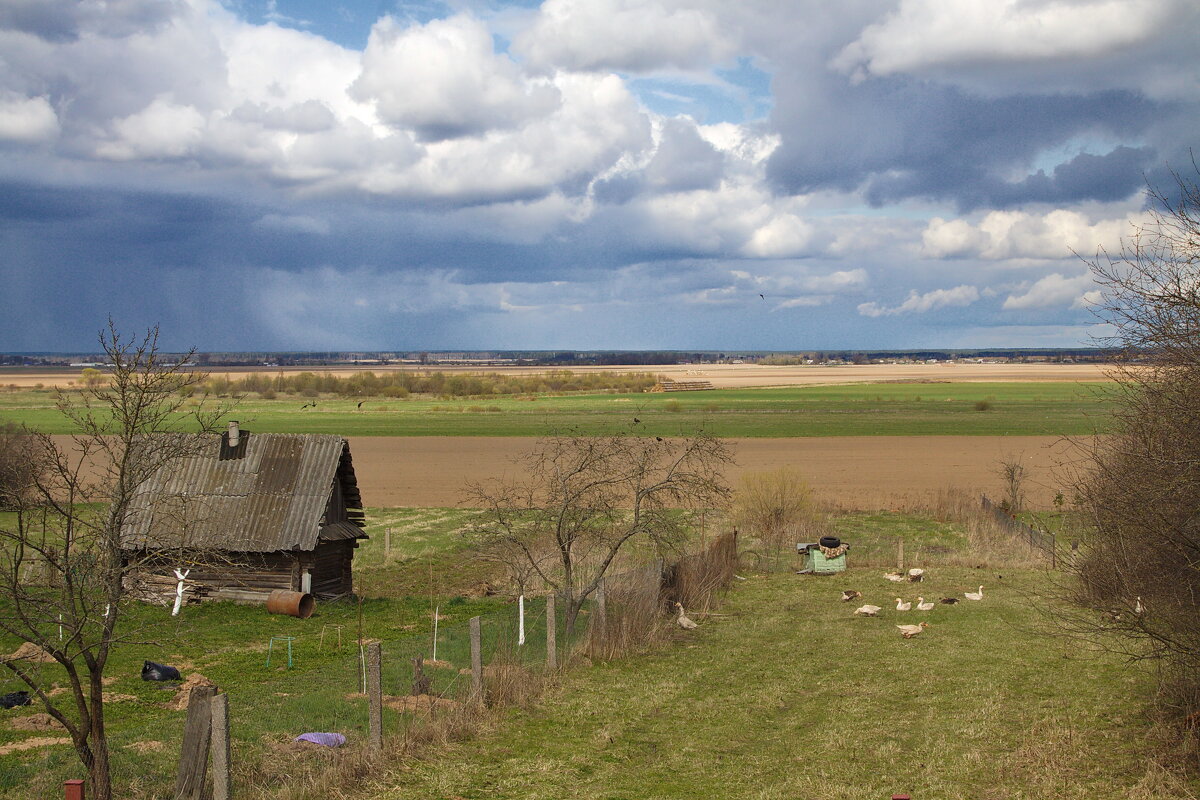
pixel 896 409
pixel 783 694
pixel 788 695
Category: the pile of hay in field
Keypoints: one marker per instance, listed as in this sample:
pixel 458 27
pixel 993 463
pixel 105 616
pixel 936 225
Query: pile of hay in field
pixel 180 701
pixel 29 651
pixel 36 722
pixel 32 744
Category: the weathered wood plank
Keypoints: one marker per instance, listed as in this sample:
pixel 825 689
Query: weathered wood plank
pixel 193 755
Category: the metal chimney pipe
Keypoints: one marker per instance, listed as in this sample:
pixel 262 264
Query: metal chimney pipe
pixel 235 434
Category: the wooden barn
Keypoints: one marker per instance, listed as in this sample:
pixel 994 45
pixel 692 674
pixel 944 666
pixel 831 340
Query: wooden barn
pixel 255 513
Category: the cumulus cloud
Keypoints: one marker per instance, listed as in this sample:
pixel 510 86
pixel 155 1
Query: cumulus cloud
pixel 922 303
pixel 926 33
pixel 1022 235
pixel 1054 290
pixel 26 119
pixel 625 35
pixel 444 80
pixel 163 129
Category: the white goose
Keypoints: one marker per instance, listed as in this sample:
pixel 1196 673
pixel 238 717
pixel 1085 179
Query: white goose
pixel 894 577
pixel 903 606
pixel 974 595
pixel 867 611
pixel 923 606
pixel 909 631
pixel 683 621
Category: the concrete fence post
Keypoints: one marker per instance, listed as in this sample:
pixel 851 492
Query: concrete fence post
pixel 222 781
pixel 476 660
pixel 375 695
pixel 551 634
pixel 601 610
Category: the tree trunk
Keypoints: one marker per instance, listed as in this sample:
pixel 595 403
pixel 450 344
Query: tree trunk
pixel 98 769
pixel 572 612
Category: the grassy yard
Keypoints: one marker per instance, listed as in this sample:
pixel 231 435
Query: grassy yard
pixel 788 695
pixel 782 694
pixel 900 409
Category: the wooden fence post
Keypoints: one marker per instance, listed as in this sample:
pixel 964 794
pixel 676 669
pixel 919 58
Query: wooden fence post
pixel 73 789
pixel 551 634
pixel 476 660
pixel 193 755
pixel 375 695
pixel 222 782
pixel 900 554
pixel 387 544
pixel 601 610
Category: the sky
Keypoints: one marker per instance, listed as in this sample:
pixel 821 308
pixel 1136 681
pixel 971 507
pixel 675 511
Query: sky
pixel 580 174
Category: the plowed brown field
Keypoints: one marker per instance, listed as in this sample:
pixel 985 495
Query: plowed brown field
pixel 851 471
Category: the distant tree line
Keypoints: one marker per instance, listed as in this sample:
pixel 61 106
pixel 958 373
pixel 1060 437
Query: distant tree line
pixel 437 384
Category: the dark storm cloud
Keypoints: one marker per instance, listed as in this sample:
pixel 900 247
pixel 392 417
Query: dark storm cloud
pixel 900 138
pixel 63 20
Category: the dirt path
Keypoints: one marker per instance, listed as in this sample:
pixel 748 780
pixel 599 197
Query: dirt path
pixel 853 471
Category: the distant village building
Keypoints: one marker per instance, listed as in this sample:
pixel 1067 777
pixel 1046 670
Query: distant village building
pixel 252 514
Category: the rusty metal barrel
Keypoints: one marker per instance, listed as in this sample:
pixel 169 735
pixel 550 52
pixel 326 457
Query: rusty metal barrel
pixel 294 604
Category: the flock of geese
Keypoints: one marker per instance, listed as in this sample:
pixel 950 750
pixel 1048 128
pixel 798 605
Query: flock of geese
pixel 913 576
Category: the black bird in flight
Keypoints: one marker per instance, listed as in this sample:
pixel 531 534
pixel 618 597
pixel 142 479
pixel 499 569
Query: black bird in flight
pixel 762 297
pixel 360 402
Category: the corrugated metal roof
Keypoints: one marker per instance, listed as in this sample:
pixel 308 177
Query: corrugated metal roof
pixel 274 498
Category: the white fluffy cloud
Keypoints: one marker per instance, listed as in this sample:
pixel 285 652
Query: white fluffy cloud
pixel 625 35
pixel 26 119
pixel 931 34
pixel 1021 235
pixel 921 303
pixel 1054 290
pixel 444 80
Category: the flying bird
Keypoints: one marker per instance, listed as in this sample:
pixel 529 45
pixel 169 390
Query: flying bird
pixel 360 402
pixel 762 297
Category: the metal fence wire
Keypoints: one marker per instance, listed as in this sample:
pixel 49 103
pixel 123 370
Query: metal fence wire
pixel 1041 540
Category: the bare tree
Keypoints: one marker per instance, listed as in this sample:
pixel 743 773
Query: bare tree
pixel 69 526
pixel 774 505
pixel 585 497
pixel 22 462
pixel 1140 568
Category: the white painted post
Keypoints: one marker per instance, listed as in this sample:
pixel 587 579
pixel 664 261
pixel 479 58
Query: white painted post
pixel 435 622
pixel 306 582
pixel 180 576
pixel 521 623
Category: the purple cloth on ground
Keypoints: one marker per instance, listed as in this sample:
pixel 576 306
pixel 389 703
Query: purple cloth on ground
pixel 326 739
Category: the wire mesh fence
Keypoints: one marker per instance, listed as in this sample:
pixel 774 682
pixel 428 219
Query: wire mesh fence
pixel 1041 540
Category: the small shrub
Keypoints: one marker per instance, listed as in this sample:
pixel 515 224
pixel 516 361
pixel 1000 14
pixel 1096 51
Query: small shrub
pixel 983 405
pixel 674 406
